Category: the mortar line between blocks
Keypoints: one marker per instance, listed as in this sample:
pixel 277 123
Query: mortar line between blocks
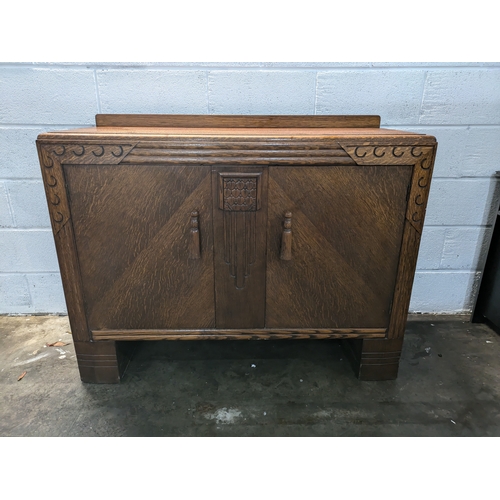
pixel 446 271
pixel 30 126
pixel 422 96
pixel 230 66
pixel 21 179
pixel 26 273
pixel 97 92
pixel 9 203
pixel 467 179
pixel 24 180
pixel 61 126
pixel 32 306
pixel 442 258
pixel 444 226
pixel 17 229
pixel 316 93
pixel 465 126
pixel 208 92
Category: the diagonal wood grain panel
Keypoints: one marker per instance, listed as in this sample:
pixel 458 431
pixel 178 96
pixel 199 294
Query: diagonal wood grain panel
pixel 360 213
pixel 304 289
pixel 146 276
pixel 347 230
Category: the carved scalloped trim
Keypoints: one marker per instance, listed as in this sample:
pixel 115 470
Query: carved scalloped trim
pixel 387 155
pixel 419 192
pixel 421 157
pixel 55 190
pixel 89 154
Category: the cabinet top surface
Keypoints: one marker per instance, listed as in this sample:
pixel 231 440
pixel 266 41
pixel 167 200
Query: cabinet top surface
pixel 157 127
pixel 156 132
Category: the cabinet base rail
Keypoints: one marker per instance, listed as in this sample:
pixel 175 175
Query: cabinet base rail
pixel 243 334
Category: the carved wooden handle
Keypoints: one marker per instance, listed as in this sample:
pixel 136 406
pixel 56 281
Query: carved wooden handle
pixel 194 239
pixel 286 239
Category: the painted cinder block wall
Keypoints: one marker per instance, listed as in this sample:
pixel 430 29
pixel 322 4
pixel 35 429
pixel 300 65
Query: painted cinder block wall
pixel 457 103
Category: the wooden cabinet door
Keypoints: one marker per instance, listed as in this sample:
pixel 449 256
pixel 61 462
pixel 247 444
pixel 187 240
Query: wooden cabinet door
pixel 132 226
pixel 346 233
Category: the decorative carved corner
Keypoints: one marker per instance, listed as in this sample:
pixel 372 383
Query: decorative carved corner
pixel 420 157
pixel 419 192
pixel 89 154
pixel 53 156
pixel 387 155
pixel 55 190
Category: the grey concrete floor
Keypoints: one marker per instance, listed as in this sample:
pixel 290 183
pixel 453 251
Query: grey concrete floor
pixel 448 385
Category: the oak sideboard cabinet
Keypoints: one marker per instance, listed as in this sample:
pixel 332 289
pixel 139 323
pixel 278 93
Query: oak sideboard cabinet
pixel 236 227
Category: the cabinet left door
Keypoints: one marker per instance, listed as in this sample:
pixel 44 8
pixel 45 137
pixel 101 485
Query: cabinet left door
pixel 135 232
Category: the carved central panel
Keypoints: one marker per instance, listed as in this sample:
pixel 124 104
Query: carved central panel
pixel 240 194
pixel 239 198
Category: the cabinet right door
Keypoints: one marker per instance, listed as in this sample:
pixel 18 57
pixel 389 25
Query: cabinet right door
pixel 347 227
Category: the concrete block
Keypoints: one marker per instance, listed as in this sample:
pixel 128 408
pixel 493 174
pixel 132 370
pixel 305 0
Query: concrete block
pixel 462 202
pixel 465 248
pixel 152 91
pixel 29 205
pixel 6 219
pixel 47 95
pixel 481 153
pixel 464 151
pixel 14 294
pixel 450 150
pixel 431 248
pixel 394 95
pixel 18 155
pixel 260 92
pixel 443 292
pixel 47 293
pixel 27 251
pixel 457 248
pixel 462 96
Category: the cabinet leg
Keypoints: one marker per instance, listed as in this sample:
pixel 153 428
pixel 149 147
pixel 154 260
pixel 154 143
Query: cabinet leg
pixel 374 359
pixel 103 362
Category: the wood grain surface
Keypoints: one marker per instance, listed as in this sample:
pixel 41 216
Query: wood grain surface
pixel 240 334
pixel 133 237
pixel 347 231
pixel 236 121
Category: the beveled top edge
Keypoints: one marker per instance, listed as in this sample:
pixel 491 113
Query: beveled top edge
pixel 158 133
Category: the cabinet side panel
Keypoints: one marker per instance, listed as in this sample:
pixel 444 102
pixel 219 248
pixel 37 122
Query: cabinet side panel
pixel 402 294
pixel 133 234
pixel 62 229
pixel 346 232
pixel 415 215
pixel 72 284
